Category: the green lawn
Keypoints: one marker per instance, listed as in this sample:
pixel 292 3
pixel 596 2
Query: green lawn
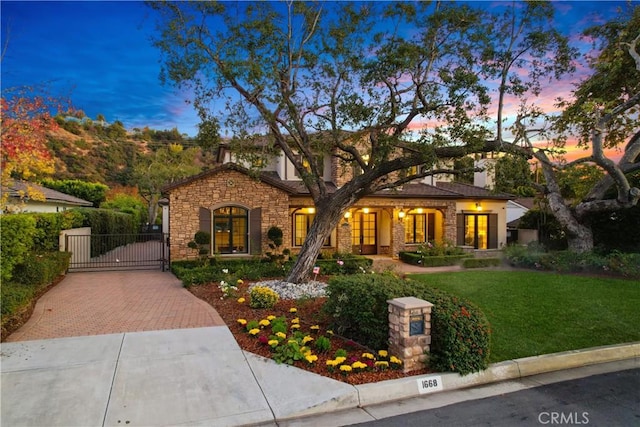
pixel 533 313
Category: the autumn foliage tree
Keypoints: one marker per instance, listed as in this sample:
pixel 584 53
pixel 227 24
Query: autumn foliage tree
pixel 24 125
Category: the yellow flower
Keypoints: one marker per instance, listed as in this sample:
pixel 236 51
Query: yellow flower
pixel 368 356
pixel 254 331
pixel 383 353
pixel 271 317
pixel 281 335
pixel 264 322
pixel 241 300
pixel 382 364
pixel 345 368
pixel 358 365
pixel 239 282
pixel 315 327
pixel 340 359
pixel 273 343
pixel 295 326
pixel 332 362
pixel 295 320
pixel 293 310
pixel 306 339
pixel 292 342
pixel 395 360
pixel 311 358
pixel 242 321
pixel 329 331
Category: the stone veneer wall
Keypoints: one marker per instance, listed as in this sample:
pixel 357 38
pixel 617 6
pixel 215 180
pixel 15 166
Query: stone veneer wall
pixel 225 188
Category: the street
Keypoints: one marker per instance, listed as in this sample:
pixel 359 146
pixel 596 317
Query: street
pixel 610 399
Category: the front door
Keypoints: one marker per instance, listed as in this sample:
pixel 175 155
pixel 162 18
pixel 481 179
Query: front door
pixel 364 237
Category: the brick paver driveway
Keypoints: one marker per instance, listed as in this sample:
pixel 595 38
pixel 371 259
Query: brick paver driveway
pixel 113 302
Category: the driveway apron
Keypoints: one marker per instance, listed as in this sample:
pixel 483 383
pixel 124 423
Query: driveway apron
pixel 96 303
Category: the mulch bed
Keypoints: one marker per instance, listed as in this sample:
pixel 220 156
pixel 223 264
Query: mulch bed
pixel 309 312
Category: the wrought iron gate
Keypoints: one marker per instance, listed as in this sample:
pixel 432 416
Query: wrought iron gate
pixel 144 251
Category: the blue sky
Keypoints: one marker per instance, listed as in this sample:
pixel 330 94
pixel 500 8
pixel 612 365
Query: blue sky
pixel 100 54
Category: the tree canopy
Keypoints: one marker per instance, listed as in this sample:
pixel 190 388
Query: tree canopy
pixel 395 90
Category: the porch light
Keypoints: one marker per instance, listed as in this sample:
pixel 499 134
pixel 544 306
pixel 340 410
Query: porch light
pixel 420 210
pixel 365 210
pixel 401 214
pixel 478 207
pixel 347 215
pixel 311 210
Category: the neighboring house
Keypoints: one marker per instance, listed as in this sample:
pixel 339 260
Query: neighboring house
pixel 238 209
pixel 515 210
pixel 30 197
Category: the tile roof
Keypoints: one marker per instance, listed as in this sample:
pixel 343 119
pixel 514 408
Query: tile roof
pixel 442 190
pixel 51 196
pixel 471 191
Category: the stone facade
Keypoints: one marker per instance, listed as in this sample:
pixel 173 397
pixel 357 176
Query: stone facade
pixel 411 348
pixel 223 189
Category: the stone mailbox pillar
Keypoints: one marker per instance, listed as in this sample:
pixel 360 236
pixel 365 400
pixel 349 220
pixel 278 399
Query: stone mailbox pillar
pixel 410 331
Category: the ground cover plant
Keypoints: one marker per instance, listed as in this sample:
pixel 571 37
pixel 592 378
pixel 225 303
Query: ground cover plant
pixel 533 313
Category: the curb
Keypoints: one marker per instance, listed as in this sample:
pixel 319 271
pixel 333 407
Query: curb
pixel 360 396
pixel 388 391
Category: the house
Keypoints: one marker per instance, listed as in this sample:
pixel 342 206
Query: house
pixel 29 197
pixel 515 210
pixel 237 208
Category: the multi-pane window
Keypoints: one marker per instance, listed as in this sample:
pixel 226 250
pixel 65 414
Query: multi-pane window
pixel 230 230
pixel 419 227
pixel 301 224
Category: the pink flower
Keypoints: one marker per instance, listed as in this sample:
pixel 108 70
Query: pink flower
pixel 340 262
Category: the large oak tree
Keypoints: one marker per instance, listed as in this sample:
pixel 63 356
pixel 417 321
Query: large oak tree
pixel 602 114
pixel 387 86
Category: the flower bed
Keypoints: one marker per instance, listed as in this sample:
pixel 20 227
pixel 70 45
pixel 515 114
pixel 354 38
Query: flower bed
pixel 297 332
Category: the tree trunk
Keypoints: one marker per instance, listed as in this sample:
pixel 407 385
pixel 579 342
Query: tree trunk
pixel 579 234
pixel 328 215
pixel 580 239
pixel 152 209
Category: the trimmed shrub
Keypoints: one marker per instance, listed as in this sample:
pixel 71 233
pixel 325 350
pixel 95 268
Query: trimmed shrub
pixel 534 257
pixel 192 272
pixel 50 225
pixel 18 232
pixel 416 258
pixel 42 268
pixel 33 276
pixel 459 331
pixel 481 262
pixel 262 297
pixel 348 265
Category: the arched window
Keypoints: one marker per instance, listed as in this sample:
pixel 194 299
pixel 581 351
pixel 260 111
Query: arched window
pixel 230 230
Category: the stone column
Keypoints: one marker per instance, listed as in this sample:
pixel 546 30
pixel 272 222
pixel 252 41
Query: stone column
pixel 410 331
pixel 344 236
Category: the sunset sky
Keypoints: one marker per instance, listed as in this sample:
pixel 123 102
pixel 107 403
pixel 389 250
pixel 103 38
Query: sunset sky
pixel 100 54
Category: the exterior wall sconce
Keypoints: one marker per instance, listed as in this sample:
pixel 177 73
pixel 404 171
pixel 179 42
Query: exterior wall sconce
pixel 419 210
pixel 311 210
pixel 365 210
pixel 401 214
pixel 478 207
pixel 347 215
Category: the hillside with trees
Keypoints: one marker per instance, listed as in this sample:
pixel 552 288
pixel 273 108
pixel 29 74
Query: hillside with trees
pixel 96 151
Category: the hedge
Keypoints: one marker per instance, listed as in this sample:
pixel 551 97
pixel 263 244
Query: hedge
pixel 50 225
pixel 416 258
pixel 33 276
pixel 18 232
pixel 347 265
pixel 359 311
pixel 481 262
